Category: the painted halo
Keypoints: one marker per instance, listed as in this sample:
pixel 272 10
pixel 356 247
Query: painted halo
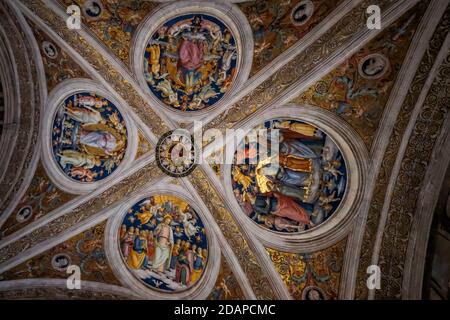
pixel 175 255
pixel 301 192
pixel 87 137
pixel 191 55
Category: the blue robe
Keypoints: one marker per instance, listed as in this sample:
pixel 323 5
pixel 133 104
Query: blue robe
pixel 297 149
pixel 292 178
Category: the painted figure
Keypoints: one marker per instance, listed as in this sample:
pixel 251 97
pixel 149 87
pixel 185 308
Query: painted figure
pixel 296 188
pixel 197 265
pixel 150 245
pixel 85 114
pixel 163 242
pixel 185 265
pixel 190 61
pixel 78 159
pixel 163 246
pixel 89 137
pixel 127 242
pixel 138 256
pixel 175 254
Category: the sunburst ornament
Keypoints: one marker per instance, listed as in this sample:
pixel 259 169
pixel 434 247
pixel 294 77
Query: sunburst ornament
pixel 176 153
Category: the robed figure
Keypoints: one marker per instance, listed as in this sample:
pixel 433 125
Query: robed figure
pixel 100 139
pixel 163 246
pixel 127 242
pixel 198 265
pixel 190 55
pixel 185 265
pixel 138 256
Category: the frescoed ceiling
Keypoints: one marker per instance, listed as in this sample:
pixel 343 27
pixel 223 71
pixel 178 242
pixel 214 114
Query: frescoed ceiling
pixel 90 169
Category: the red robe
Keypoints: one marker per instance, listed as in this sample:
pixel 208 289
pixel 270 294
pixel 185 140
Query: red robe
pixel 191 54
pixel 288 208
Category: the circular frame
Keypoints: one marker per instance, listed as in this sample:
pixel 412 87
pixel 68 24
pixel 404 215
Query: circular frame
pixel 46 44
pixel 200 290
pixel 159 159
pixel 85 7
pixel 298 24
pixel 61 92
pixel 307 289
pixel 372 55
pixel 228 13
pixel 356 158
pixel 54 263
pixel 20 210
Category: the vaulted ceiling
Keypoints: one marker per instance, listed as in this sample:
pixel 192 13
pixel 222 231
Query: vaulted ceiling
pixel 380 97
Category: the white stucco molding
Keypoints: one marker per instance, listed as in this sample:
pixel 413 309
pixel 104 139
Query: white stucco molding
pixel 413 274
pixel 14 89
pixel 10 81
pixel 397 96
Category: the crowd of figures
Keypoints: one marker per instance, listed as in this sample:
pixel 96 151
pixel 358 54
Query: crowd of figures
pixel 296 188
pixel 163 240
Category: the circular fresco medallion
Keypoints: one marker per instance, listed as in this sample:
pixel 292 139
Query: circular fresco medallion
pixel 50 49
pixel 373 66
pixel 163 243
pixel 176 154
pixel 294 186
pixel 313 293
pixel 61 261
pixel 89 137
pixel 24 214
pixel 190 61
pixel 93 9
pixel 302 12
